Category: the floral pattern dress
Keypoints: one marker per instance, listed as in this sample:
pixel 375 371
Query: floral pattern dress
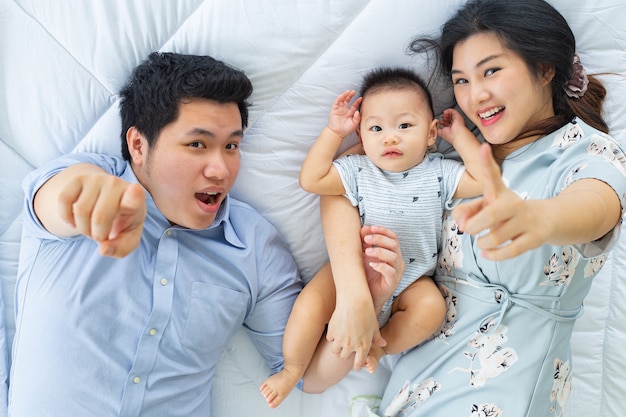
pixel 504 348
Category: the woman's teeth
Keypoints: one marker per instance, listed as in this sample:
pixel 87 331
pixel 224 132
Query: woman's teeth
pixel 490 113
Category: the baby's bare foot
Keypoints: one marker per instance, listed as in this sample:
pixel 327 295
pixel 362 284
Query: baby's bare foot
pixel 276 388
pixel 373 357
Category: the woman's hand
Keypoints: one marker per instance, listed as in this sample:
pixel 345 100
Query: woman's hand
pixel 383 263
pixel 353 327
pixel 507 224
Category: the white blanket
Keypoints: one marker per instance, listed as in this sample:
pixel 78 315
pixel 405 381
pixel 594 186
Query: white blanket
pixel 63 62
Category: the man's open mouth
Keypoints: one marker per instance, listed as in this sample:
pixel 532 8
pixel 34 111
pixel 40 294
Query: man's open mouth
pixel 208 198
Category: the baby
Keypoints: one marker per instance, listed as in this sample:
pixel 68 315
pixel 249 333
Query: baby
pixel 396 184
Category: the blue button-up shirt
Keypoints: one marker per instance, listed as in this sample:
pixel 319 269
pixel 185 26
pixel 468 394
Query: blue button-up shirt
pixel 141 336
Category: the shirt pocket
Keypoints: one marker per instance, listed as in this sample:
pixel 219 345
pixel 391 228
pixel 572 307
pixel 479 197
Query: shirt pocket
pixel 215 313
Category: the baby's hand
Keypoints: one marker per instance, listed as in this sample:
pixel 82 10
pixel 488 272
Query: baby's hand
pixel 450 124
pixel 345 118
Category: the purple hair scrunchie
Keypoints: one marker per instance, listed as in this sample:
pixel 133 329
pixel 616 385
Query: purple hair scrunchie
pixel 577 84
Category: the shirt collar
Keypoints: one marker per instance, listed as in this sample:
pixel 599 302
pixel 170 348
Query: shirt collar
pixel 222 218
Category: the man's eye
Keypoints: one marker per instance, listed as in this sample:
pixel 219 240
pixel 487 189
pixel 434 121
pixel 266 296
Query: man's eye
pixel 196 144
pixel 232 146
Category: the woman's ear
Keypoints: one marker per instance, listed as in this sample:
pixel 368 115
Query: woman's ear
pixel 547 73
pixel 137 146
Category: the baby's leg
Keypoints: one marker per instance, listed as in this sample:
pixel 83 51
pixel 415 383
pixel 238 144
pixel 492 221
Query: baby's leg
pixel 326 369
pixel 416 314
pixel 305 326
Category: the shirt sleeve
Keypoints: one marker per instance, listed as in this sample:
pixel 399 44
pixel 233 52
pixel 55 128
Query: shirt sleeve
pixel 452 171
pixel 279 285
pixel 347 166
pixel 601 158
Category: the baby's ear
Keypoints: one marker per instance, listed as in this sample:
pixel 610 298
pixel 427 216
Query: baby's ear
pixel 433 132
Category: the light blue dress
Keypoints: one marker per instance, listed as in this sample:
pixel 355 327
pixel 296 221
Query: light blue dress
pixel 504 349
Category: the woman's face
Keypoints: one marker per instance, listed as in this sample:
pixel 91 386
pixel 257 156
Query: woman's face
pixel 497 91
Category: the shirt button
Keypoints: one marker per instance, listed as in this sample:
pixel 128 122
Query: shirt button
pixel 169 233
pixel 152 332
pixel 163 281
pixel 136 380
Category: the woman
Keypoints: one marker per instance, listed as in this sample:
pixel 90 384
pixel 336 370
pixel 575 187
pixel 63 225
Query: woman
pixel 516 264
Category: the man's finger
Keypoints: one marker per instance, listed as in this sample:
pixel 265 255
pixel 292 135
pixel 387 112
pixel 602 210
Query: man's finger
pixel 83 209
pixel 134 197
pixel 67 198
pixel 132 210
pixel 108 207
pixel 123 244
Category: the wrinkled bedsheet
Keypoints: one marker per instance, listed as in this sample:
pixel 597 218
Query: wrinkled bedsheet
pixel 63 62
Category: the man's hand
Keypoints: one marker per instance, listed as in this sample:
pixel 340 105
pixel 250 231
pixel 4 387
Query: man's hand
pixel 85 200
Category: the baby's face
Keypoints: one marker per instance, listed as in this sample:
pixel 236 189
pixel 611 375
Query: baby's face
pixel 396 128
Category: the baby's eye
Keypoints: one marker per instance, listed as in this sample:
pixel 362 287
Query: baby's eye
pixel 403 126
pixel 376 128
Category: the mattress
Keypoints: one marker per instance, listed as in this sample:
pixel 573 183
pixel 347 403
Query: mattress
pixel 63 62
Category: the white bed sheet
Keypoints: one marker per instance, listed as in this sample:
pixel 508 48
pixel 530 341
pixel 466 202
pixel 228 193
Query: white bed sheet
pixel 63 62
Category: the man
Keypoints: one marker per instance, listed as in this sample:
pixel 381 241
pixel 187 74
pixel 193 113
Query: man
pixel 135 271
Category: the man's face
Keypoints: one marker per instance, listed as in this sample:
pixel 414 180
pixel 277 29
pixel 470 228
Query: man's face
pixel 194 162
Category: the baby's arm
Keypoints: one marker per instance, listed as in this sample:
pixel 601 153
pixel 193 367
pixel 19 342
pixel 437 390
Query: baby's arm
pixel 453 130
pixel 366 271
pixel 318 175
